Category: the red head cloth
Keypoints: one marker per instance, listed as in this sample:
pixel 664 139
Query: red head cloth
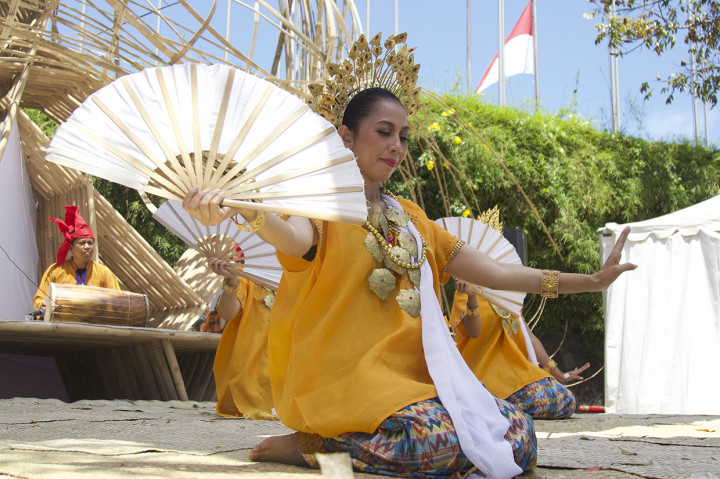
pixel 72 228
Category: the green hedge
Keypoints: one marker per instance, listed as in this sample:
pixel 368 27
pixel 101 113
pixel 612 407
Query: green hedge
pixel 577 177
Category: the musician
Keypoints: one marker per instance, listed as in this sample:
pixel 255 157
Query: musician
pixel 80 269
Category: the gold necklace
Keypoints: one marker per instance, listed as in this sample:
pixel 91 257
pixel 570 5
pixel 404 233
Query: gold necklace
pixel 395 252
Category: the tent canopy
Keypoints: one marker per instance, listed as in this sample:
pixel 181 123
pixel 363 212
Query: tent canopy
pixel 686 222
pixel 662 320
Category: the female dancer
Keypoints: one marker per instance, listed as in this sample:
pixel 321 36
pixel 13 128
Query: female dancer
pixel 241 373
pixel 503 353
pixel 360 357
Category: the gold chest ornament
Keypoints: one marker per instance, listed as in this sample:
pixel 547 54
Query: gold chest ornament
pixel 394 249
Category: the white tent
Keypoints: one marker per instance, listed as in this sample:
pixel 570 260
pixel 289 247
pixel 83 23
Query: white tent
pixel 662 320
pixel 19 256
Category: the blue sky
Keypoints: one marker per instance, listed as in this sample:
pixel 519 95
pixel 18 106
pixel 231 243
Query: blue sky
pixel 574 72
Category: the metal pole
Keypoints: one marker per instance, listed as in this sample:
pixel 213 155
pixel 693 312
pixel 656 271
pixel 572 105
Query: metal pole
pixel 397 18
pixel 82 22
pixel 535 55
pixel 614 82
pixel 693 66
pixel 227 30
pixel 696 118
pixel 469 56
pixel 705 108
pixel 501 52
pixel 707 127
pixel 367 18
pixel 157 27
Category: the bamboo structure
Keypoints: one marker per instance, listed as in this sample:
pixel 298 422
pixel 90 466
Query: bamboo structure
pixel 53 55
pixel 70 48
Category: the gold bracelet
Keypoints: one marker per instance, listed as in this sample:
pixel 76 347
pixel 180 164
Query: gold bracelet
pixel 229 289
pixel 254 225
pixel 550 366
pixel 549 283
pixel 473 311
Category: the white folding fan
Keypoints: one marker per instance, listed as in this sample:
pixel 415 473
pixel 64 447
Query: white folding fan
pixel 249 256
pixel 165 130
pixel 484 238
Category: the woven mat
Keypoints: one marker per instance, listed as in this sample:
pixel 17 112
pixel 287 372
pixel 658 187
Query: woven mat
pixel 125 427
pixel 662 447
pixel 42 438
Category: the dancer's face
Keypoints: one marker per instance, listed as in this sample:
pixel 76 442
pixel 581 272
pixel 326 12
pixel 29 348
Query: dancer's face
pixel 380 142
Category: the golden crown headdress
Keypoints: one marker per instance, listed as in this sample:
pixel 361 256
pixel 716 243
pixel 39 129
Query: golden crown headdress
pixel 369 65
pixel 492 218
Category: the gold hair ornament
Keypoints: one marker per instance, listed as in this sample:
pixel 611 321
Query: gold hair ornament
pixel 492 218
pixel 369 65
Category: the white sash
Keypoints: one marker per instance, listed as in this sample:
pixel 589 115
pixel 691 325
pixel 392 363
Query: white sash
pixel 475 415
pixel 532 357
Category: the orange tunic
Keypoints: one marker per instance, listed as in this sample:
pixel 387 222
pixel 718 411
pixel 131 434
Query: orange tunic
pixel 498 357
pixel 96 275
pixel 241 361
pixel 341 359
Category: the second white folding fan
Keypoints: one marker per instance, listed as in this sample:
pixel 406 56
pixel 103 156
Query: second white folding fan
pixel 165 130
pixel 249 256
pixel 484 238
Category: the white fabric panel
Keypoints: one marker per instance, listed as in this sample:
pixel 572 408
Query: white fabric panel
pixel 687 222
pixel 18 282
pixel 662 326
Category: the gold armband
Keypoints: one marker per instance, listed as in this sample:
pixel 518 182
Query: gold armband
pixel 254 225
pixel 549 283
pixel 473 311
pixel 550 366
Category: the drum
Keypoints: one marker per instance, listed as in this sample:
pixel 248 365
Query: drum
pixel 92 304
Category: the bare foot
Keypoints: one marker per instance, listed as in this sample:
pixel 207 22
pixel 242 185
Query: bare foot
pixel 283 449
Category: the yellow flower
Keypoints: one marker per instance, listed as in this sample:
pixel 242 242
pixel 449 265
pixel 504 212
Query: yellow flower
pixel 435 126
pixel 486 147
pixel 447 167
pixel 444 113
pixel 430 165
pixel 466 213
pixel 457 140
pixel 451 111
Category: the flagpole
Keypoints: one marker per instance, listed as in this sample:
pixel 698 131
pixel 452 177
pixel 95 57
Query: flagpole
pixel 501 52
pixel 397 18
pixel 367 18
pixel 614 82
pixel 693 66
pixel 227 29
pixel 469 71
pixel 707 127
pixel 535 54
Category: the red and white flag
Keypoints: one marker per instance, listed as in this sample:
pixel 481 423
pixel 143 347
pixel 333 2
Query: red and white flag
pixel 518 52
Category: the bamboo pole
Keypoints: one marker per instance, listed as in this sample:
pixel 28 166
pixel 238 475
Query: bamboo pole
pixel 174 369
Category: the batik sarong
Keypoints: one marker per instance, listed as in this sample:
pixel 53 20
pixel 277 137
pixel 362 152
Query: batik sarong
pixel 545 399
pixel 420 441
